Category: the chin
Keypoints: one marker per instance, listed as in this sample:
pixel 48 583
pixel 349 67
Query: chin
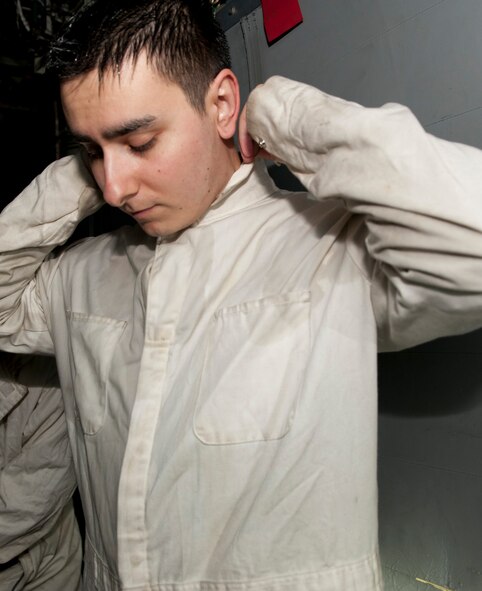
pixel 154 231
pixel 163 230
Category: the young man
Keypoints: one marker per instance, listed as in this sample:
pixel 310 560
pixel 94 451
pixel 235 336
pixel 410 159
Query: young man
pixel 40 545
pixel 218 361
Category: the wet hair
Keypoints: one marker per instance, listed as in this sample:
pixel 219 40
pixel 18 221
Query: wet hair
pixel 180 38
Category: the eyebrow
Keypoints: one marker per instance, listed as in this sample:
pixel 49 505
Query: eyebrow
pixel 123 129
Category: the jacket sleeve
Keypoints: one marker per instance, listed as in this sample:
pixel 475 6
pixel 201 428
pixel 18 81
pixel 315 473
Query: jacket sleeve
pixel 420 198
pixel 36 468
pixel 42 217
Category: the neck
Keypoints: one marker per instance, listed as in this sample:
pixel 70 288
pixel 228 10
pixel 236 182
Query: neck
pixel 234 158
pixel 228 165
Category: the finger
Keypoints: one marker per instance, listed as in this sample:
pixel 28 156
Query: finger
pixel 247 146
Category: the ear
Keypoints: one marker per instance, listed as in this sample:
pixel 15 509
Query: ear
pixel 225 102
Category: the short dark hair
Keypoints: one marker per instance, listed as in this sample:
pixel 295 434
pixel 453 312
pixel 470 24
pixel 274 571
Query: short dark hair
pixel 181 38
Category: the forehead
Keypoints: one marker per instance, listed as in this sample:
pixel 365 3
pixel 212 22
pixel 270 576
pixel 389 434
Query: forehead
pixel 135 90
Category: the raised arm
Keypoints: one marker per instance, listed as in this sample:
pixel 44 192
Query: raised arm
pixel 42 217
pixel 420 197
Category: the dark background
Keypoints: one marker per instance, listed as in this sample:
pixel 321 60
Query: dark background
pixel 30 123
pixel 31 120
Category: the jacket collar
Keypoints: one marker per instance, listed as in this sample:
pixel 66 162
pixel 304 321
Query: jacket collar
pixel 249 185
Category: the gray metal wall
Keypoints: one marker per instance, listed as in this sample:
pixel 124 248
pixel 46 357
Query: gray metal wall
pixel 426 54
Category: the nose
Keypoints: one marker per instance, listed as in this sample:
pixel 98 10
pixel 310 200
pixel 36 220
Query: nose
pixel 119 180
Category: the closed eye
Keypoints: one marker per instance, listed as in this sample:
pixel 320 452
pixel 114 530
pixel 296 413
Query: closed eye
pixel 143 147
pixel 94 151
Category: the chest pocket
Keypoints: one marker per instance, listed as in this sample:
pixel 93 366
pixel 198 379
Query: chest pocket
pixel 93 340
pixel 253 370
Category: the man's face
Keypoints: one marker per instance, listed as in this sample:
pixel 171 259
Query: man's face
pixel 152 154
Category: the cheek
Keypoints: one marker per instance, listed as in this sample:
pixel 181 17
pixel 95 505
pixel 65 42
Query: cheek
pixel 199 164
pixel 184 167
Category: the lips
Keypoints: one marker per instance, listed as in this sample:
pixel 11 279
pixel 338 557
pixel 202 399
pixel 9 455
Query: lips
pixel 141 212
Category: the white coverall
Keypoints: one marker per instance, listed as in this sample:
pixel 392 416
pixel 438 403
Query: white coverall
pixel 220 385
pixel 40 545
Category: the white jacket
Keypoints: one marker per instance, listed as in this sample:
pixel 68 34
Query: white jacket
pixel 220 386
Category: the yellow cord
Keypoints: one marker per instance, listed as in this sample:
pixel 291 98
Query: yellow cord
pixel 439 587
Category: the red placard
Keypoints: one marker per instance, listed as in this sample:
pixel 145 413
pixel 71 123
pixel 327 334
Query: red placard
pixel 280 16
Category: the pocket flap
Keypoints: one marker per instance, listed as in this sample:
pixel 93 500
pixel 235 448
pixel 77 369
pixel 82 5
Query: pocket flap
pixel 253 370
